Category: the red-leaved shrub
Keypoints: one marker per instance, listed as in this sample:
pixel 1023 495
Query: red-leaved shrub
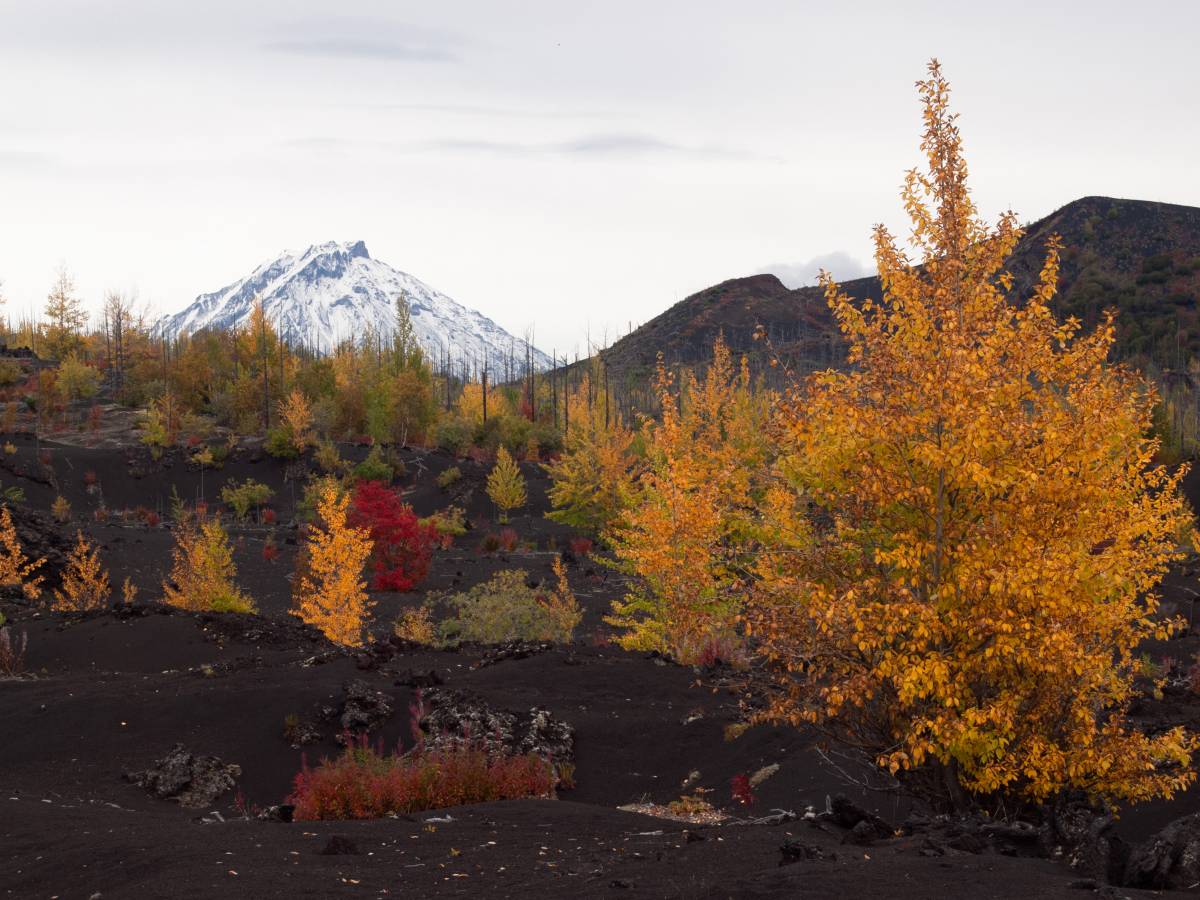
pixel 89 478
pixel 268 516
pixel 743 791
pixel 270 552
pixel 149 516
pixel 508 539
pixel 403 546
pixel 581 546
pixel 362 783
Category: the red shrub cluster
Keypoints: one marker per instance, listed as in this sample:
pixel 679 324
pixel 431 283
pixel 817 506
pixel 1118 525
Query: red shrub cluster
pixel 403 546
pixel 90 478
pixel 270 552
pixel 362 783
pixel 742 790
pixel 268 516
pixel 149 516
pixel 581 546
pixel 508 539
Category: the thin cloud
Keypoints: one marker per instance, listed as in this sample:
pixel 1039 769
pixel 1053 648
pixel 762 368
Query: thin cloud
pixel 839 264
pixel 615 146
pixel 26 160
pixel 499 112
pixel 364 49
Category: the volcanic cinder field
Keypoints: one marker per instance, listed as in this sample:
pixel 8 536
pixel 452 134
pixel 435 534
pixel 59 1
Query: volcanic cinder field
pixel 107 694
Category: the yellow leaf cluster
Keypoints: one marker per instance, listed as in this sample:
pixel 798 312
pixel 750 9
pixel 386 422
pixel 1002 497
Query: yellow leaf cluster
pixel 84 580
pixel 968 522
pixel 202 570
pixel 16 570
pixel 592 483
pixel 560 605
pixel 506 484
pixel 331 593
pixel 295 412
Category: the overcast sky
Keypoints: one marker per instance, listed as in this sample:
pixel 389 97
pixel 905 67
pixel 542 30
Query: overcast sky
pixel 553 163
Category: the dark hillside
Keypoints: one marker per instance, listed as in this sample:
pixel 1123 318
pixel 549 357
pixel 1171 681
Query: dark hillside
pixel 1142 258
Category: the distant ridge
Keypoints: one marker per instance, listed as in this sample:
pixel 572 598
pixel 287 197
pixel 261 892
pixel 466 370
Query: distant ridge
pixel 1140 257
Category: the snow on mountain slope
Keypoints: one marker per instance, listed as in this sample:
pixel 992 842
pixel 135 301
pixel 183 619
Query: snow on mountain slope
pixel 333 292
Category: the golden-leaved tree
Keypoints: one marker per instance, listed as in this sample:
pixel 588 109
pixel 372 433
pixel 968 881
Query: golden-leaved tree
pixel 592 483
pixel 203 571
pixel 506 484
pixel 84 580
pixel 295 414
pixel 330 591
pixel 688 535
pixel 969 523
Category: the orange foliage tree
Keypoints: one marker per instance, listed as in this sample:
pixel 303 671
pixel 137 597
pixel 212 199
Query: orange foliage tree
pixel 84 580
pixel 687 535
pixel 969 525
pixel 16 570
pixel 331 593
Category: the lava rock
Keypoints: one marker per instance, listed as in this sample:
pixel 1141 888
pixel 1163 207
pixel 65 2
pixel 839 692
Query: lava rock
pixel 363 709
pixel 846 813
pixel 1085 834
pixel 192 781
pixel 862 835
pixel 454 717
pixel 1170 859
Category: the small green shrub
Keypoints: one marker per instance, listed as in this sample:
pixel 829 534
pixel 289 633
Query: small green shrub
pixel 448 477
pixel 450 521
pixel 280 445
pixel 242 498
pixel 374 468
pixel 505 608
pixel 328 459
pixel 454 435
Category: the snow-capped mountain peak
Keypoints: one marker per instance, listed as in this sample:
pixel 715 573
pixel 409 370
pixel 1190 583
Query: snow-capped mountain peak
pixel 334 292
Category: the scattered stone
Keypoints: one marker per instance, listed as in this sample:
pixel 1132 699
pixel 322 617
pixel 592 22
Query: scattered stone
pixel 363 709
pixel 1169 859
pixel 340 846
pixel 862 835
pixel 283 812
pixel 1084 834
pixel 192 781
pixel 798 851
pixel 301 732
pixel 848 814
pixel 513 650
